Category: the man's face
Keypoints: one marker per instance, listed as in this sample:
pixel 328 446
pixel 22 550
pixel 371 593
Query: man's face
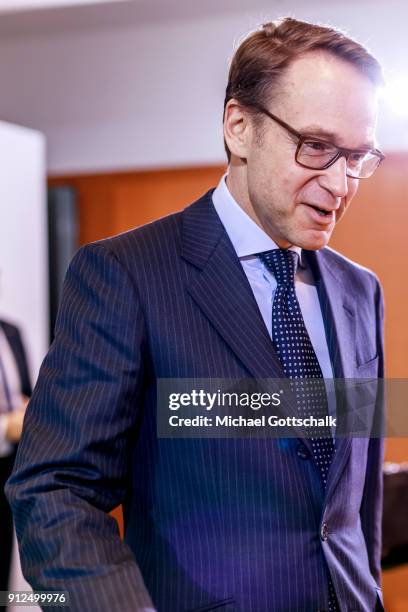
pixel 323 96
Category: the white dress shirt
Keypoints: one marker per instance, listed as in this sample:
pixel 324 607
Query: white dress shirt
pixel 248 239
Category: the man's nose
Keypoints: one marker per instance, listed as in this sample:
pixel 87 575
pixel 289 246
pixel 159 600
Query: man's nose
pixel 334 178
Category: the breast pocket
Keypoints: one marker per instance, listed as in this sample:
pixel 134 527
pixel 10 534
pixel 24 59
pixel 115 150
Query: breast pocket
pixel 367 369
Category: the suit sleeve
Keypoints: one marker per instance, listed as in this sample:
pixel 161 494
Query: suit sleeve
pixel 372 502
pixel 72 466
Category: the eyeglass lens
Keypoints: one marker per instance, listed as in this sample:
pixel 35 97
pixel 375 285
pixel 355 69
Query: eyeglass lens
pixel 316 155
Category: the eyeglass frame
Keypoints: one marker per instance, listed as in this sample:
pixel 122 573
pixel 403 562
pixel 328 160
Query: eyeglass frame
pixel 341 151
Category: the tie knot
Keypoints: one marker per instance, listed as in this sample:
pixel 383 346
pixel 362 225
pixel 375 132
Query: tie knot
pixel 282 263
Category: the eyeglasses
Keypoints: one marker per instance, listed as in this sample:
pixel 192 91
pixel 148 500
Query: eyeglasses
pixel 317 154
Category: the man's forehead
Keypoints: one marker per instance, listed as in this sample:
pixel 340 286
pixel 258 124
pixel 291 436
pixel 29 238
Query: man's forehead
pixel 326 96
pixel 321 65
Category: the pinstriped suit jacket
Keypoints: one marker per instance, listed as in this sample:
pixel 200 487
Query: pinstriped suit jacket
pixel 210 524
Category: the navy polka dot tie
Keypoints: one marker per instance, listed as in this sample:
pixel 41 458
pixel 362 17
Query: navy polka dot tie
pixel 299 361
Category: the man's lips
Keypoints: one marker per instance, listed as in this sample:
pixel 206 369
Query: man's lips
pixel 319 214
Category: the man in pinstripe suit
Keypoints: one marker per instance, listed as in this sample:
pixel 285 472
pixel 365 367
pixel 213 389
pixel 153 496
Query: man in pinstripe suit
pixel 217 524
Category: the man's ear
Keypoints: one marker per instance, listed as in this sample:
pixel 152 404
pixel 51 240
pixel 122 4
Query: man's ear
pixel 237 129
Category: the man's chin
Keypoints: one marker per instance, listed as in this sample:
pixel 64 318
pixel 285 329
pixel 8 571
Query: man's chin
pixel 313 240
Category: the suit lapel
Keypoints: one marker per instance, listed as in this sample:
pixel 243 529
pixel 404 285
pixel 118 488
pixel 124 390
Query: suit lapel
pixel 223 293
pixel 338 309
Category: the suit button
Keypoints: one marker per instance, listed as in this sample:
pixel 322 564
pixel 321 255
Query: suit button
pixel 324 532
pixel 302 452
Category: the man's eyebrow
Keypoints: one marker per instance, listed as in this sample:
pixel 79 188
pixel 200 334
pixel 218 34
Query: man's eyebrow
pixel 316 130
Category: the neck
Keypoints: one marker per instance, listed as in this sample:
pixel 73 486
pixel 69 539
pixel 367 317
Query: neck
pixel 237 184
pixel 238 187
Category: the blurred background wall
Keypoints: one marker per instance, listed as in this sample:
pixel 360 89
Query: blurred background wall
pixel 140 84
pixel 23 239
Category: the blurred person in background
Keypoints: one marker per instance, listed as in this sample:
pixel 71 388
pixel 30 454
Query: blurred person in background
pixel 249 525
pixel 15 389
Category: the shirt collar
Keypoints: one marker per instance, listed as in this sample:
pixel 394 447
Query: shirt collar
pixel 246 236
